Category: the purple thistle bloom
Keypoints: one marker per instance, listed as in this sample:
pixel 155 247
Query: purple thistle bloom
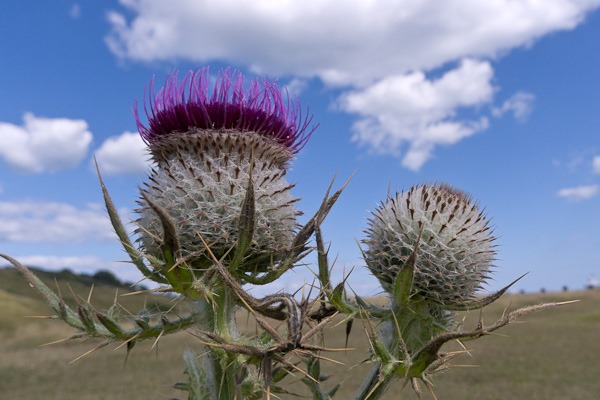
pixel 180 106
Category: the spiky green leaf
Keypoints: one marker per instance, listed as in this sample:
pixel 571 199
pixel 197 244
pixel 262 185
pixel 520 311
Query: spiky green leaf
pixel 134 255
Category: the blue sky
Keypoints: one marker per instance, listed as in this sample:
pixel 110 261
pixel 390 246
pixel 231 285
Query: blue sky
pixel 497 98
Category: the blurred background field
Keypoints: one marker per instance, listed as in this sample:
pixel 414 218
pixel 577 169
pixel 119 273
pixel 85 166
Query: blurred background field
pixel 550 355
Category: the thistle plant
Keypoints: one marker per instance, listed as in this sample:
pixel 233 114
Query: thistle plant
pixel 216 213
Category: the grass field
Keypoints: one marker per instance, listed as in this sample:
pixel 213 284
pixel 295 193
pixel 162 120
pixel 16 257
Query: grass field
pixel 550 355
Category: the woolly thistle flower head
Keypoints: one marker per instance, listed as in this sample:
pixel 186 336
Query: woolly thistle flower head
pixel 455 243
pixel 207 141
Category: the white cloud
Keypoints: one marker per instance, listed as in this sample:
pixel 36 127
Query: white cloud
pixel 520 104
pixel 124 154
pixel 36 222
pixel 359 41
pixel 362 46
pixel 44 144
pixel 296 86
pixel 411 109
pixel 596 165
pixel 579 193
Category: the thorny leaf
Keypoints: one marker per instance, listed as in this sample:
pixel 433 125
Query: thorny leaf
pixel 135 256
pixel 476 304
pixel 63 311
pixel 170 239
pixel 429 353
pixel 404 280
pixel 246 225
pixel 85 315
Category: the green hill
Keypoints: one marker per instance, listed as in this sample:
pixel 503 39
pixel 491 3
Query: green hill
pixel 18 299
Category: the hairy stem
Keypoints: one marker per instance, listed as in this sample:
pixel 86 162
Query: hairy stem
pixel 375 385
pixel 218 316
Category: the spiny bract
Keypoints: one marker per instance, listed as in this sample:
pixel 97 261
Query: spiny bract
pixel 455 244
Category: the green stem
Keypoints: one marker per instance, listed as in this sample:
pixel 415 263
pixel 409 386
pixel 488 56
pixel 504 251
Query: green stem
pixel 375 385
pixel 387 351
pixel 218 316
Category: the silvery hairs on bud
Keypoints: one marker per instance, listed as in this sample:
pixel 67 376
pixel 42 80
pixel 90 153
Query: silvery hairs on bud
pixel 455 243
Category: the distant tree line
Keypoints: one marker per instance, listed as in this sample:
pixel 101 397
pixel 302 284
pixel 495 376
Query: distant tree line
pixel 101 277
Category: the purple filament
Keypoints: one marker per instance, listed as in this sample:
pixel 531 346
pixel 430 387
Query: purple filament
pixel 183 105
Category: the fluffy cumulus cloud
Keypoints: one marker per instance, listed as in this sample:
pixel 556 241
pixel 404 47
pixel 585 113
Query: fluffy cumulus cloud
pixel 44 144
pixel 124 154
pixel 359 41
pixel 579 193
pixel 52 222
pixel 379 50
pixel 411 109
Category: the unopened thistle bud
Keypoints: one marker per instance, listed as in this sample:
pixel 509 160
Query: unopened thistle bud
pixel 455 244
pixel 207 145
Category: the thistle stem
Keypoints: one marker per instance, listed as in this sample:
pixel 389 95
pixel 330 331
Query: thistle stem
pixel 218 316
pixel 375 385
